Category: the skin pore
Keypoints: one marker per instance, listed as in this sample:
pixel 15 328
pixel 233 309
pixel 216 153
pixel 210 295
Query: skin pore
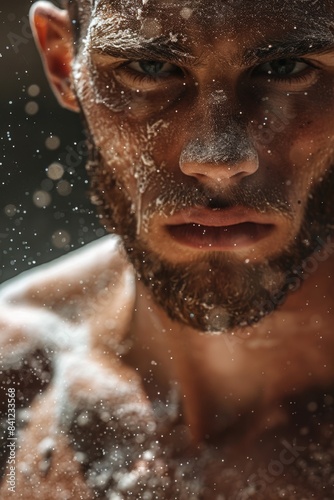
pixel 211 154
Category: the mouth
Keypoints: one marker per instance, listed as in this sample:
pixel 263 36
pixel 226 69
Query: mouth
pixel 229 229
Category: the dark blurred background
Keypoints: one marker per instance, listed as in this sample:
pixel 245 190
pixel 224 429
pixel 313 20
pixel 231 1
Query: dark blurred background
pixel 44 206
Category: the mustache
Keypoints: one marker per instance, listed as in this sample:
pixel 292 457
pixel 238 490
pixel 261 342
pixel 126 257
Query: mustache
pixel 171 195
pixel 177 197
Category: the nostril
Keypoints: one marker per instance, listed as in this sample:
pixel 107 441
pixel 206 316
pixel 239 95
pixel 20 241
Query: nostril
pixel 219 161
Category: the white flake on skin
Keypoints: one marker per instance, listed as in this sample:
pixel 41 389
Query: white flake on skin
pixel 143 171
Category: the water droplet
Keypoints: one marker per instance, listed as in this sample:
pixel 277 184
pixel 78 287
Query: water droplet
pixel 41 199
pixel 52 142
pixel 186 12
pixel 10 210
pixel 31 108
pixel 33 90
pixel 61 238
pixel 64 188
pixel 55 171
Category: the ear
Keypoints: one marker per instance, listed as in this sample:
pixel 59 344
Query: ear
pixel 53 35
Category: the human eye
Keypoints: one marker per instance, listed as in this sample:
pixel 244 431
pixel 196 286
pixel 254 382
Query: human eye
pixel 146 74
pixel 153 69
pixel 287 71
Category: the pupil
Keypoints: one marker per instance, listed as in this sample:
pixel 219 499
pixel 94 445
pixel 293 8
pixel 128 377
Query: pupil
pixel 152 68
pixel 283 67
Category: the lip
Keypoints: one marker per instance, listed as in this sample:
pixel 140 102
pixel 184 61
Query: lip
pixel 228 229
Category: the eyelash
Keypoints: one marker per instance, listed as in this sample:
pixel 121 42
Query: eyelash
pixel 138 77
pixel 143 78
pixel 293 78
pixel 302 78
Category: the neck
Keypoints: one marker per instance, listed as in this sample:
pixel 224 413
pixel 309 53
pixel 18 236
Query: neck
pixel 222 378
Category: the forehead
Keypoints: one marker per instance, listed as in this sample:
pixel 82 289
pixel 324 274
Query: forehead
pixel 198 27
pixel 208 20
pixel 234 12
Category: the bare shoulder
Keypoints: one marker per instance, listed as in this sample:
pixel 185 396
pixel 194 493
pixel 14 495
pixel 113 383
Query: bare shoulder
pixel 57 301
pixel 55 311
pixel 56 305
pixel 81 273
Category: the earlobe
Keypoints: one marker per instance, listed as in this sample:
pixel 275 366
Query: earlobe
pixel 53 35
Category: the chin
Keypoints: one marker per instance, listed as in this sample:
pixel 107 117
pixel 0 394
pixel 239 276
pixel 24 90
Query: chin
pixel 218 292
pixel 211 294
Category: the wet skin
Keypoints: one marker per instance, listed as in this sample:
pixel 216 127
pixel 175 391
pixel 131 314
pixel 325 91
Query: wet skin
pixel 241 183
pixel 258 132
pixel 213 130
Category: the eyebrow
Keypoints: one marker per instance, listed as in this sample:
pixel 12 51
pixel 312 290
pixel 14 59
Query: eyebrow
pixel 159 48
pixel 163 48
pixel 287 48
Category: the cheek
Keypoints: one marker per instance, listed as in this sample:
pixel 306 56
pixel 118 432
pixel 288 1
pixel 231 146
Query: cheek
pixel 295 134
pixel 117 147
pixel 311 150
pixel 305 158
pixel 134 153
pixel 107 126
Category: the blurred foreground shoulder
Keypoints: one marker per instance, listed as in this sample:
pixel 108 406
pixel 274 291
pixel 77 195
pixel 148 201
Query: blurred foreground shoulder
pixel 52 311
pixel 79 275
pixel 56 305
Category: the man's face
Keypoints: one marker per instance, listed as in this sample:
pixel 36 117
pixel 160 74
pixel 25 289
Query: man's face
pixel 212 124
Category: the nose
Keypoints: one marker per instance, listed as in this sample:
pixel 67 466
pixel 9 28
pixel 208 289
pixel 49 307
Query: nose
pixel 223 158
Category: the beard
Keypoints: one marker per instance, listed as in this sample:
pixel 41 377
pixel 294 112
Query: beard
pixel 215 292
